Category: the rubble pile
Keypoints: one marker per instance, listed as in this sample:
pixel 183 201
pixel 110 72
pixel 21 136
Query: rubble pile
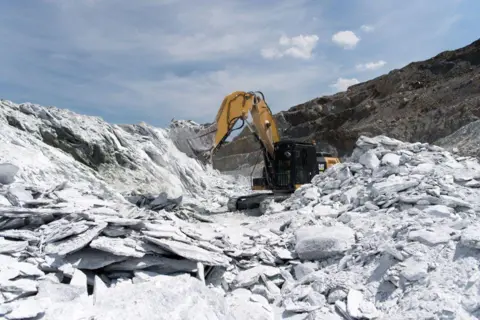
pixel 76 246
pixel 390 234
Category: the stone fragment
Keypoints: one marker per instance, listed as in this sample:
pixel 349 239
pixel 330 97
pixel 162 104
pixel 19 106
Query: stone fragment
pixel 358 308
pixel 179 297
pixel 429 237
pixel 414 269
pixel 473 184
pixel 11 246
pixel 335 295
pixel 151 260
pixel 454 202
pixel 26 309
pixel 62 229
pixel 283 253
pixel 27 235
pixel 301 270
pixel 117 246
pixel 366 143
pixel 391 159
pixel 369 160
pixel 316 243
pixel 394 184
pixel 251 276
pixel 439 210
pixel 91 259
pixel 14 289
pixel 311 194
pixel 76 243
pixel 470 236
pixel 325 211
pixel 8 172
pixel 191 252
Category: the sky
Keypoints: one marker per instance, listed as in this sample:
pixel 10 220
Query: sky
pixel 155 60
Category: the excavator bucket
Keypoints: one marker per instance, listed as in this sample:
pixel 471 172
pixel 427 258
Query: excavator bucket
pixel 203 142
pixel 194 140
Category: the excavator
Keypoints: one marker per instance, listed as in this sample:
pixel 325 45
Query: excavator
pixel 288 164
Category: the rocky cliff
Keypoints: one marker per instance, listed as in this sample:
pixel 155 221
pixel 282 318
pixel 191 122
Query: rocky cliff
pixel 424 101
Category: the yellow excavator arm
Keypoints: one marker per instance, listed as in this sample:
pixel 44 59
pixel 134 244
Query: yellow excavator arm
pixel 236 106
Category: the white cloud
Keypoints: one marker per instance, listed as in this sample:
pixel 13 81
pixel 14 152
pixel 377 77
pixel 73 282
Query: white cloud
pixel 283 88
pixel 346 39
pixel 137 60
pixel 342 84
pixel 367 28
pixel 370 65
pixel 300 47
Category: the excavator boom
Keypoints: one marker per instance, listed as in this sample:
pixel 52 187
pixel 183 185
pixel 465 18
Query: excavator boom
pixel 236 106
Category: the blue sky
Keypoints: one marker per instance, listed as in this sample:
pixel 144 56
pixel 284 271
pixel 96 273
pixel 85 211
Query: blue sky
pixel 130 61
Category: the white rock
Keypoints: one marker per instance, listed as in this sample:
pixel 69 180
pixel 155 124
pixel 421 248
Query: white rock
pixel 358 308
pixel 251 276
pixel 191 252
pixel 429 237
pixel 471 237
pixel 26 309
pixel 117 246
pixel 321 210
pixel 167 298
pixel 311 194
pixel 370 160
pixel 414 269
pixel 393 185
pixel 76 243
pixel 424 168
pixel 365 142
pixel 7 173
pixel 8 246
pixel 439 211
pixel 391 159
pixel 314 243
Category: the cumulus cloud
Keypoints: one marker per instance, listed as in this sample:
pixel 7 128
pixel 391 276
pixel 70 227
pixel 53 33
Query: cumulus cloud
pixel 346 39
pixel 370 65
pixel 342 84
pixel 367 28
pixel 300 47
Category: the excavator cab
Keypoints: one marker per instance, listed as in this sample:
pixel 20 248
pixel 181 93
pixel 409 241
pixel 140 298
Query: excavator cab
pixel 294 164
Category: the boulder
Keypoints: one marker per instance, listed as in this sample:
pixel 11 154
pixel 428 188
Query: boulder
pixel 316 243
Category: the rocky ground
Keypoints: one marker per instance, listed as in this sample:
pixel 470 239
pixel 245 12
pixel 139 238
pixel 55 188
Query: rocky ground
pixel 425 101
pixel 391 233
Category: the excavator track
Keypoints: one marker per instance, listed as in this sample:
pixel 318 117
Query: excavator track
pixel 252 201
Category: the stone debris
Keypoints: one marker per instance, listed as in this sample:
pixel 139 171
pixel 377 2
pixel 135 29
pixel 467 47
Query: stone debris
pixel 391 233
pixel 391 226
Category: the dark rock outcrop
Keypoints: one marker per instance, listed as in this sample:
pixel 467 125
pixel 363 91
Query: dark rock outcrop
pixel 424 101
